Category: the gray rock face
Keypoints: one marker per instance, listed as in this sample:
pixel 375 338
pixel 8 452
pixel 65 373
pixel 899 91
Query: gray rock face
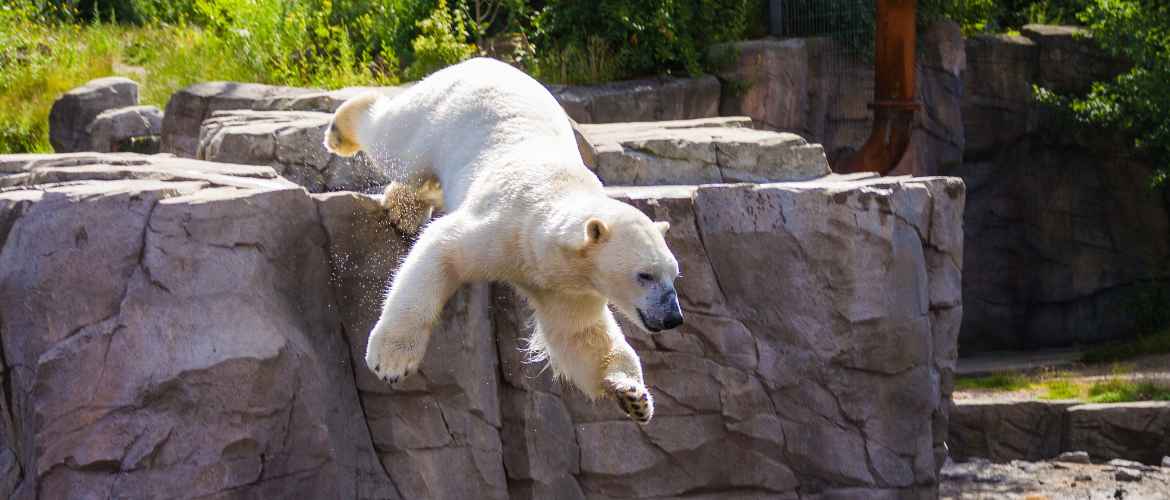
pixel 646 100
pixel 321 101
pixel 73 112
pixel 704 151
pixel 767 80
pixel 291 143
pixel 1063 230
pixel 190 106
pixel 818 89
pixel 203 324
pixel 998 84
pixel 146 361
pixel 1133 431
pixel 628 101
pixel 1069 61
pixel 122 129
pixel 1028 430
pixel 28 170
pixel 1035 430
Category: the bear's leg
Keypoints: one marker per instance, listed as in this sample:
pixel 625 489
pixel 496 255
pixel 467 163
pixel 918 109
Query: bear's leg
pixel 412 202
pixel 622 378
pixel 597 359
pixel 417 295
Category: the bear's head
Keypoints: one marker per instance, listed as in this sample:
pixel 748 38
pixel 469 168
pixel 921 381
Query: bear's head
pixel 631 265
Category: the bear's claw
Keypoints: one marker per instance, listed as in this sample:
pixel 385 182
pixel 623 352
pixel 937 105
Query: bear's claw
pixel 635 402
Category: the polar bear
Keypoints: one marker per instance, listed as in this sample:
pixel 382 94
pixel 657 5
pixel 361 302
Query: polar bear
pixel 491 147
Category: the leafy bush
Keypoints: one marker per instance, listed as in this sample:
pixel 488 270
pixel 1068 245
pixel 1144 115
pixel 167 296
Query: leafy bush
pixel 996 16
pixel 441 42
pixel 1137 102
pixel 579 41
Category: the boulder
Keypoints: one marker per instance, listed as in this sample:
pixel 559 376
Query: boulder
pixel 26 171
pixel 174 321
pixel 701 151
pixel 190 106
pixel 290 142
pixel 652 99
pixel 194 104
pixel 72 113
pixel 134 128
pixel 766 80
pixel 154 366
pixel 325 101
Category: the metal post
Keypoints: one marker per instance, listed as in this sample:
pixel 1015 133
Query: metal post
pixel 894 87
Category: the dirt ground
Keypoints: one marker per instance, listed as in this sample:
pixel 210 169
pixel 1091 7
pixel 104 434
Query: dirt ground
pixel 983 480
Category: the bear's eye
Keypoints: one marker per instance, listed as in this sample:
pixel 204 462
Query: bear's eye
pixel 645 277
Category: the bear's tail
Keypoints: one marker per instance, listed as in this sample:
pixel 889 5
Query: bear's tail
pixel 342 137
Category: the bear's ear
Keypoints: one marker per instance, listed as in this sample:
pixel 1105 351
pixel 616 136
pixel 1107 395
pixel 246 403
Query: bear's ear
pixel 596 231
pixel 662 227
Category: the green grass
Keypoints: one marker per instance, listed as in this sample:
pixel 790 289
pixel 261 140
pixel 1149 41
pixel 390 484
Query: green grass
pixel 41 57
pixel 1155 343
pixel 1120 391
pixel 47 62
pixel 1060 389
pixel 994 382
pixel 1063 386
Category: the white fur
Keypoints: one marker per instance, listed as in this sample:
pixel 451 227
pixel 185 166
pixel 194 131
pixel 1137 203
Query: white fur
pixel 522 208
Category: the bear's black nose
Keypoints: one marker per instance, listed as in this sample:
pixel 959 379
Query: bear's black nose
pixel 673 319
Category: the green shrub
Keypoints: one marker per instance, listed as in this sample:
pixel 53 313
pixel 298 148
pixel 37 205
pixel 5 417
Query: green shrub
pixel 441 42
pixel 1137 102
pixel 997 16
pixel 580 40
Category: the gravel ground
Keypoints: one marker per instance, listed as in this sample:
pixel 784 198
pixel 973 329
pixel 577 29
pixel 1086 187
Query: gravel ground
pixel 1052 480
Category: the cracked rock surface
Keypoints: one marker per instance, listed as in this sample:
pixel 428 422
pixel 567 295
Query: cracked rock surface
pixel 704 151
pixel 289 142
pixel 176 322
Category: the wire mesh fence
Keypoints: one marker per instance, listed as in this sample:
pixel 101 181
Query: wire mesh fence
pixel 850 23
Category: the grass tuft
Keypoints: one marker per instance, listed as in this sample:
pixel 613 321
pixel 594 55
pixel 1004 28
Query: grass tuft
pixel 993 382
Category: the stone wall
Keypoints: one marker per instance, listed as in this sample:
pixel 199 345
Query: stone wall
pixel 1063 230
pixel 175 322
pixel 817 88
pixel 627 101
pixel 1002 431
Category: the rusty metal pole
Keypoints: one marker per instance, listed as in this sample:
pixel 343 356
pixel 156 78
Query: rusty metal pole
pixel 894 86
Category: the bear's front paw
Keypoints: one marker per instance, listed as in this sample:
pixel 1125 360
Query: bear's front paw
pixel 393 359
pixel 635 401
